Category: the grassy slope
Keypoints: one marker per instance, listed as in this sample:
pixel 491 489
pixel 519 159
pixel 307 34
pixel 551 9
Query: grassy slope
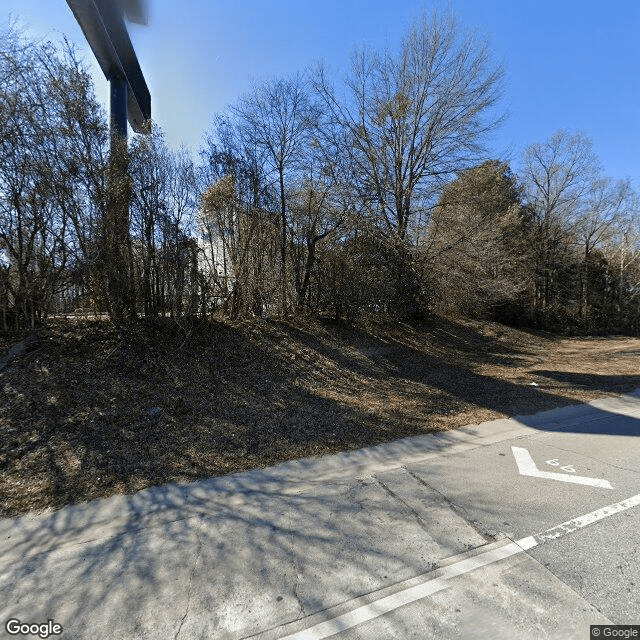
pixel 87 412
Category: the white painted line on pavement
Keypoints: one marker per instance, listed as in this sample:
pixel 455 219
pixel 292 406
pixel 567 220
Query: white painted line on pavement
pixel 527 467
pixel 392 602
pixel 387 604
pixel 589 518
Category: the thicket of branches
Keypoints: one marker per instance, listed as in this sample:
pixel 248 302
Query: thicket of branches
pixel 374 195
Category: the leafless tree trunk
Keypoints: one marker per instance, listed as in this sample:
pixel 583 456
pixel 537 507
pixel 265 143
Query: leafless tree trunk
pixel 51 131
pixel 606 203
pixel 278 118
pixel 557 177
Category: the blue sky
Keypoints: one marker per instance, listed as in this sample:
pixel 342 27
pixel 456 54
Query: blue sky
pixel 573 65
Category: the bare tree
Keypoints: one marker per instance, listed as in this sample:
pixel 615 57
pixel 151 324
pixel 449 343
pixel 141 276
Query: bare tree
pixel 277 118
pixel 163 208
pixel 607 202
pixel 81 158
pixel 557 176
pixel 49 116
pixel 240 224
pixel 314 217
pixel 244 238
pixel 410 120
pixel 150 170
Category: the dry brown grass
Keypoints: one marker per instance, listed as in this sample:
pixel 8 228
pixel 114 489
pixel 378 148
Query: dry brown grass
pixel 88 412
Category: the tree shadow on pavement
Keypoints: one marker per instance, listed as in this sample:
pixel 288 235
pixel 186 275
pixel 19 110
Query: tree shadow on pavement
pixel 232 556
pixel 221 559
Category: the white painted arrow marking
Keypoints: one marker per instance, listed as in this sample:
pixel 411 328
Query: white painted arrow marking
pixel 527 467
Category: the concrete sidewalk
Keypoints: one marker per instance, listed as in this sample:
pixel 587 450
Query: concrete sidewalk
pixel 272 552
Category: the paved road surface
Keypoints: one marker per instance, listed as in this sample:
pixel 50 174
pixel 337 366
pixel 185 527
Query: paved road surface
pixel 519 528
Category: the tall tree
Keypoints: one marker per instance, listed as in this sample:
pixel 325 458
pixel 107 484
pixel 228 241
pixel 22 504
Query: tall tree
pixel 314 217
pixel 410 120
pixel 277 117
pixel 607 202
pixel 240 224
pixel 623 256
pixel 163 211
pixel 558 176
pixel 475 247
pixel 51 134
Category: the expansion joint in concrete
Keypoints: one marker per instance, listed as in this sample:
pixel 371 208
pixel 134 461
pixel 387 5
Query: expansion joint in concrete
pixel 454 507
pixel 407 506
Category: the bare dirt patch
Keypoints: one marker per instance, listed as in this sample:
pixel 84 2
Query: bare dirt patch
pixel 87 411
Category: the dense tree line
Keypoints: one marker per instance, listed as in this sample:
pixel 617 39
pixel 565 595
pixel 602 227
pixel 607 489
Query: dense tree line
pixel 308 196
pixel 52 181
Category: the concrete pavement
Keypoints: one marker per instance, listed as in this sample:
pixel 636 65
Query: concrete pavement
pixel 434 536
